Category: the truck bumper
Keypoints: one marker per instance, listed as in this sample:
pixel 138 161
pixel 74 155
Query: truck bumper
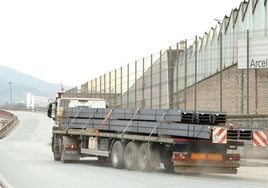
pixel 228 167
pixel 204 169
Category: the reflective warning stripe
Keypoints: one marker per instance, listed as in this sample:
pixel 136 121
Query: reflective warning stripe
pixel 219 135
pixel 260 138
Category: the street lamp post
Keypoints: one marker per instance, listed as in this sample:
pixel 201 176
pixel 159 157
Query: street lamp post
pixel 10 87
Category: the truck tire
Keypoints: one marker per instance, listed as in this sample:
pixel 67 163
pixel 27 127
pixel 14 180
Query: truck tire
pixel 131 156
pixel 56 147
pixel 144 158
pixel 117 155
pixel 62 154
pixel 57 156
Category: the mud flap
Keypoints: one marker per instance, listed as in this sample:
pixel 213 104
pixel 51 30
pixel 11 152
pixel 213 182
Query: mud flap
pixel 154 156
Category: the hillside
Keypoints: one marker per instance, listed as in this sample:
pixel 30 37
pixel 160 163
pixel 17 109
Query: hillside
pixel 23 84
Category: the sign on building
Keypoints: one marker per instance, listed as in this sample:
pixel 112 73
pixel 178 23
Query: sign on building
pixel 258 53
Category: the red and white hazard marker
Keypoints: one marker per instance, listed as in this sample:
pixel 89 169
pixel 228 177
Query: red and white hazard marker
pixel 260 138
pixel 219 135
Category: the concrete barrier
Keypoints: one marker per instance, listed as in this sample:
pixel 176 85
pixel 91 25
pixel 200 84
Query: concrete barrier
pixel 3 121
pixel 11 120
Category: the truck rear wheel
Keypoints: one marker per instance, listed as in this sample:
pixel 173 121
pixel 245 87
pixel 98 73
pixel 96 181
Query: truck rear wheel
pixel 57 156
pixel 144 158
pixel 117 156
pixel 56 147
pixel 131 156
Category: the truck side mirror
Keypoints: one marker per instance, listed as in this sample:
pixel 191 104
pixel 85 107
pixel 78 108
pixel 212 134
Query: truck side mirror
pixel 49 110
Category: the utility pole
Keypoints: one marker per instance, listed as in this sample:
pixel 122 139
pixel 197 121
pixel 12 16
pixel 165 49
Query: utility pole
pixel 10 89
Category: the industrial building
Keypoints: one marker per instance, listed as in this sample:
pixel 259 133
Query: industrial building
pixel 226 69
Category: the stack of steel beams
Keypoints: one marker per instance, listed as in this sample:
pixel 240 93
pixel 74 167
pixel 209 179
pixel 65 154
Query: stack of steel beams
pixel 196 124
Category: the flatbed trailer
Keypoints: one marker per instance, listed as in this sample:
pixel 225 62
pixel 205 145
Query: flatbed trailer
pixel 183 141
pixel 143 152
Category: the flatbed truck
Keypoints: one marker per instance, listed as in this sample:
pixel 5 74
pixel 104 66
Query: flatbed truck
pixel 142 139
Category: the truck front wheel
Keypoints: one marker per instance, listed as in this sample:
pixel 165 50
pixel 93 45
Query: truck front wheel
pixel 117 156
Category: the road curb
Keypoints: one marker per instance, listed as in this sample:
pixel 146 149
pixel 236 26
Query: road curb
pixel 4 183
pixel 11 128
pixel 254 162
pixel 11 121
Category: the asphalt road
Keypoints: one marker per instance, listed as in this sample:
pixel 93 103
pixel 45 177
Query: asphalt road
pixel 26 161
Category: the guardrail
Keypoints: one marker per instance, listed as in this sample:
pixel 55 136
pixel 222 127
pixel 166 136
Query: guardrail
pixel 11 121
pixel 23 108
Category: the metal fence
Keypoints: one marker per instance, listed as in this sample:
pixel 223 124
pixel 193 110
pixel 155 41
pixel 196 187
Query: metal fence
pixel 197 74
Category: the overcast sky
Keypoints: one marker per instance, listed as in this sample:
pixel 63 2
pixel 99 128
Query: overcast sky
pixel 74 41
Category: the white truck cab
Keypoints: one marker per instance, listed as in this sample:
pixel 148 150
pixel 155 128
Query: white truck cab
pixel 55 109
pixel 81 102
